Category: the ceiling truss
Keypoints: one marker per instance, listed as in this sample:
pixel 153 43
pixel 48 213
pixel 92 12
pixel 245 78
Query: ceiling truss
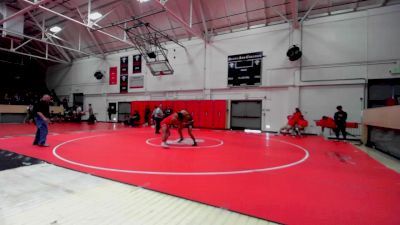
pixel 147 26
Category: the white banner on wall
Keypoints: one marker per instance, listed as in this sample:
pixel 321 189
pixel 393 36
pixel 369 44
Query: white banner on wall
pixel 136 81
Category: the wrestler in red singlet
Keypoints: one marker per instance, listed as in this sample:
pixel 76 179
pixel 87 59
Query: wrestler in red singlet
pixel 181 119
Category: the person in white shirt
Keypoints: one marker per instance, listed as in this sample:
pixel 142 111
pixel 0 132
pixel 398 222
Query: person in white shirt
pixel 158 115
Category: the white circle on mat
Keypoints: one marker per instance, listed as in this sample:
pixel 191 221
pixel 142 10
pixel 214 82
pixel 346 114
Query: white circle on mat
pixel 210 173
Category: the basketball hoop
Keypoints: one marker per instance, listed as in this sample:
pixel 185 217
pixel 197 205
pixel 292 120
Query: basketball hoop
pixel 160 68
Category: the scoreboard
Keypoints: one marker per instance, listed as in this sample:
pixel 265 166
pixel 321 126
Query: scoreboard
pixel 245 69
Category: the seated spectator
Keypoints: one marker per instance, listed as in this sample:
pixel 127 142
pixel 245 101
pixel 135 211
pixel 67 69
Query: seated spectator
pixel 300 126
pixel 326 122
pixel 292 121
pixel 133 120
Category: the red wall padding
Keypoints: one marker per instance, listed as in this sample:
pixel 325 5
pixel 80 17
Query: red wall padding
pixel 206 113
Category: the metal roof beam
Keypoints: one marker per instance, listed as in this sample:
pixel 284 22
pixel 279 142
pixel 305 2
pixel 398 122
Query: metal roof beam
pixel 181 21
pixel 309 10
pixel 22 45
pixel 42 28
pixel 203 20
pixel 280 14
pixel 94 39
pixel 83 24
pixel 227 15
pixel 47 55
pixel 172 28
pixel 181 15
pixel 31 55
pixel 247 14
pixel 133 18
pixel 44 41
pixel 266 11
pixel 24 10
pixel 294 7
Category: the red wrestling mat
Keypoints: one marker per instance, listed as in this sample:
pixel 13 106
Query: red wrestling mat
pixel 283 179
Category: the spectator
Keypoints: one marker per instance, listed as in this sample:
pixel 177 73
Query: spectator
pixel 146 116
pixel 340 120
pixel 65 103
pixel 92 118
pixel 158 116
pixel 42 118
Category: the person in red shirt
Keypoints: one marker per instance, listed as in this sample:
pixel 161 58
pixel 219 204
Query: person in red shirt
pixel 326 122
pixel 292 121
pixel 180 119
pixel 300 125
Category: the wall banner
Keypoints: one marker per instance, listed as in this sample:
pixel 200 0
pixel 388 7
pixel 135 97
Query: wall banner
pixel 113 75
pixel 137 64
pixel 136 81
pixel 123 84
pixel 124 65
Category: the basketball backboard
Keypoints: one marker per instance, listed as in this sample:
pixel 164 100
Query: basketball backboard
pixel 159 68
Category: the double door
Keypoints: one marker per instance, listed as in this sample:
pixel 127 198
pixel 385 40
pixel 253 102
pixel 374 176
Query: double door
pixel 246 115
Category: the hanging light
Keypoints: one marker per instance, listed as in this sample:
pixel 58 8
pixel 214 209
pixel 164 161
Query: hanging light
pixel 95 16
pixel 55 29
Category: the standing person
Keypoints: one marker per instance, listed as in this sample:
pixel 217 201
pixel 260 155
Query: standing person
pixel 153 118
pixel 340 120
pixel 158 116
pixel 146 116
pixel 109 111
pixel 79 113
pixel 91 118
pixel 65 103
pixel 29 116
pixel 42 118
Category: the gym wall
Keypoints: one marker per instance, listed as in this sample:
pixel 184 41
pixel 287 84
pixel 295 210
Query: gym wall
pixel 338 51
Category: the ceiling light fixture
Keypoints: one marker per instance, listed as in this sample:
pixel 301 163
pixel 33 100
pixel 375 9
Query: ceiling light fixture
pixel 141 1
pixel 95 16
pixel 55 29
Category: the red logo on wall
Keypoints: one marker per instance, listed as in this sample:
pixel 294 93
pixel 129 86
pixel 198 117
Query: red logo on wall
pixel 113 75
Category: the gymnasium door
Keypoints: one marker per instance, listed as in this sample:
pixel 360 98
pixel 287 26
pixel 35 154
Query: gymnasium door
pixel 124 110
pixel 78 99
pixel 246 115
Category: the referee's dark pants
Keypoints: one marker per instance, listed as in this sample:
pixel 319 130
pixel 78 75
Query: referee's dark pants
pixel 340 127
pixel 158 121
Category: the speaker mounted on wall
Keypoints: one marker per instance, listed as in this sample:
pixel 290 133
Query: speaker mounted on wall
pixel 98 75
pixel 294 53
